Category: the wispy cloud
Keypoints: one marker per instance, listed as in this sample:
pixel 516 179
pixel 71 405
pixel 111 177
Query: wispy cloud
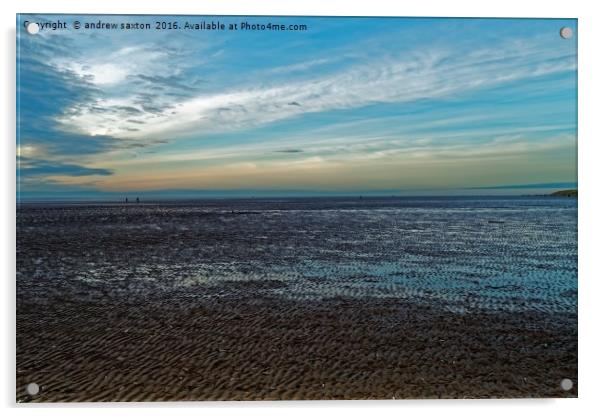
pixel 39 167
pixel 423 75
pixel 289 151
pixel 300 66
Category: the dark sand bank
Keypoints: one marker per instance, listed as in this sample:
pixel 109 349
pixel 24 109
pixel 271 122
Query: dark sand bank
pixel 252 347
pixel 166 303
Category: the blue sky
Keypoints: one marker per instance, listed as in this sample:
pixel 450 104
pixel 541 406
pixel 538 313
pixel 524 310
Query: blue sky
pixel 350 105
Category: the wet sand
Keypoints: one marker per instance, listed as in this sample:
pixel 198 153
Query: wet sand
pixel 139 337
pixel 262 348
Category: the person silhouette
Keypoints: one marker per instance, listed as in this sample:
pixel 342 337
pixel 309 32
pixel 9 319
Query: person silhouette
pixel 137 200
pixel 126 200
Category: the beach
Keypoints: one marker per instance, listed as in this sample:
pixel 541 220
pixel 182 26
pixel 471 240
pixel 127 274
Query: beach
pixel 298 298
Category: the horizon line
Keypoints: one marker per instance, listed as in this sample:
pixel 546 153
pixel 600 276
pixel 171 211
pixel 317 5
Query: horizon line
pixel 155 199
pixel 184 193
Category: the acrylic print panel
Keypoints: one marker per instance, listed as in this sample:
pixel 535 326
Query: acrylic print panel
pixel 266 208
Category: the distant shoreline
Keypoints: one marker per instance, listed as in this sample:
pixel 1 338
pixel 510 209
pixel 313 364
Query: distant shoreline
pixel 563 193
pixel 567 192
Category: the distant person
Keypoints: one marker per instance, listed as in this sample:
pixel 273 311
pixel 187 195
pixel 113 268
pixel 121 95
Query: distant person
pixel 137 200
pixel 126 200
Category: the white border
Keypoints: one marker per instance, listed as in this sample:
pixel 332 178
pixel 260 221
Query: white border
pixel 590 71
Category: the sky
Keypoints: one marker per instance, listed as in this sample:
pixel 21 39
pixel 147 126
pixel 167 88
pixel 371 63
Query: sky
pixel 391 106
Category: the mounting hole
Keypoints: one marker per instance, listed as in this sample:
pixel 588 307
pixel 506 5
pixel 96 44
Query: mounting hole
pixel 32 389
pixel 566 384
pixel 33 28
pixel 566 32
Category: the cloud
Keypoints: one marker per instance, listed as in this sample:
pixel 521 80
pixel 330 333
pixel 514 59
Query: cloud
pixel 45 93
pixel 172 81
pixel 37 167
pixel 418 76
pixel 289 151
pixel 108 69
pixel 300 66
